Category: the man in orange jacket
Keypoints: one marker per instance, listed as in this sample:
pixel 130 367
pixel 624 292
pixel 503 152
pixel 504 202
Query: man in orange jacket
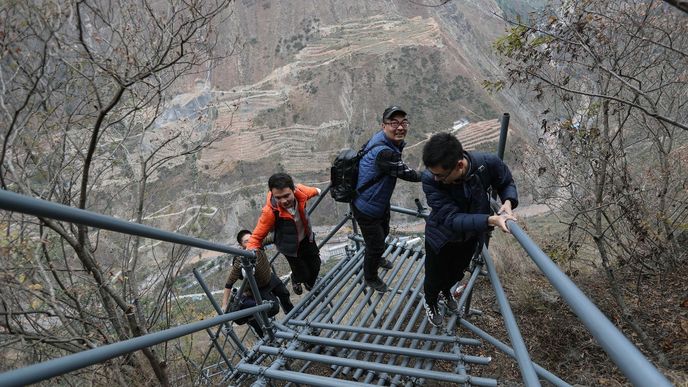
pixel 285 214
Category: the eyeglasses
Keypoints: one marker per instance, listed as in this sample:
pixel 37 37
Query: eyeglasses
pixel 395 124
pixel 443 176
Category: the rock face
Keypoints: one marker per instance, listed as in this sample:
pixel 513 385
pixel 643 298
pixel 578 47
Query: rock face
pixel 308 78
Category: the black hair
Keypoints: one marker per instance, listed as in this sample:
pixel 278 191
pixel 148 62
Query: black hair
pixel 443 150
pixel 280 181
pixel 241 234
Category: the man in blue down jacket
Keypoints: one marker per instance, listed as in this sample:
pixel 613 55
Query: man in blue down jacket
pixel 455 185
pixel 377 176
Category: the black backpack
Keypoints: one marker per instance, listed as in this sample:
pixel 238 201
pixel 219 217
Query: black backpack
pixel 344 174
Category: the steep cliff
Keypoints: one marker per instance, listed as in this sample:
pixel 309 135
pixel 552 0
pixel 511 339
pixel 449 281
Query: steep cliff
pixel 308 78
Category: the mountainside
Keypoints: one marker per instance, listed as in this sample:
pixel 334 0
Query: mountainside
pixel 309 78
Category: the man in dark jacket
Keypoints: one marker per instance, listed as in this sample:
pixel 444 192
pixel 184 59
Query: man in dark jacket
pixel 377 176
pixel 456 187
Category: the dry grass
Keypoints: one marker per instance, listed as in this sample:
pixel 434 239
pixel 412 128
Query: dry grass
pixel 558 341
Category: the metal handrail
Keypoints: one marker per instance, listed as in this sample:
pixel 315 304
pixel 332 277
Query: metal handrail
pixel 48 369
pixel 623 353
pixel 11 201
pixel 522 357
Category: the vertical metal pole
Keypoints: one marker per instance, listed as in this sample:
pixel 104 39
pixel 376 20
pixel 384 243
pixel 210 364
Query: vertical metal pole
pixel 217 346
pixel 522 357
pixel 319 199
pixel 262 317
pixel 354 225
pixel 468 292
pixel 229 331
pixel 502 135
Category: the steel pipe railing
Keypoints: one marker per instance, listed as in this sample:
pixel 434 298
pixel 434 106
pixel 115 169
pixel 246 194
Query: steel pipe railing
pixel 418 353
pixel 48 369
pixel 629 359
pixel 622 352
pixel 11 201
pixel 386 332
pixel 550 377
pixel 352 363
pixel 297 377
pixel 317 201
pixel 416 213
pixel 522 357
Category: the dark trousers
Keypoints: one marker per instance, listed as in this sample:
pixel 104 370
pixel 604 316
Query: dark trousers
pixel 374 231
pixel 279 290
pixel 267 293
pixel 306 265
pixel 444 268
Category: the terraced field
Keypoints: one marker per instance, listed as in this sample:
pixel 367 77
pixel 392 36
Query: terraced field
pixel 295 146
pixel 477 133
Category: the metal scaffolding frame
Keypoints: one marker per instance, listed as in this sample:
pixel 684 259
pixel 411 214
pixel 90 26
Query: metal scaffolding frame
pixel 342 329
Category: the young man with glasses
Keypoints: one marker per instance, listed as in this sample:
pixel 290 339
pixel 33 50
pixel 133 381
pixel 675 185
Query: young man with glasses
pixel 378 172
pixel 456 186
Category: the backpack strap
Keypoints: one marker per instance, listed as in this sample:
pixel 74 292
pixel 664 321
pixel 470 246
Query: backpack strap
pixel 375 179
pixel 484 179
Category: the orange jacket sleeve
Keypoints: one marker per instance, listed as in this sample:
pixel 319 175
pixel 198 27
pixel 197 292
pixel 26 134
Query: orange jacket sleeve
pixel 265 224
pixel 309 191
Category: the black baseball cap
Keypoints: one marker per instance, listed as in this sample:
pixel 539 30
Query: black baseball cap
pixel 392 110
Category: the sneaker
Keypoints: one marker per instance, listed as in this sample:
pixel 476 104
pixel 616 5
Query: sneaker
pixel 386 264
pixel 459 291
pixel 296 287
pixel 450 303
pixel 377 284
pixel 433 313
pixel 308 287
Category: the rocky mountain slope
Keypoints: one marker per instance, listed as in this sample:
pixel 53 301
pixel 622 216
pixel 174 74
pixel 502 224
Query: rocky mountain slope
pixel 309 78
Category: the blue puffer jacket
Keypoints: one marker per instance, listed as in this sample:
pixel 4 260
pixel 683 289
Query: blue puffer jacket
pixel 460 211
pixel 375 200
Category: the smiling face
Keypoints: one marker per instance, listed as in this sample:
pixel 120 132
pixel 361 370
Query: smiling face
pixel 284 196
pixel 244 240
pixel 396 127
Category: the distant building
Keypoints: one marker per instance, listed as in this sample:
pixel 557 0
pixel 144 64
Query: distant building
pixel 459 124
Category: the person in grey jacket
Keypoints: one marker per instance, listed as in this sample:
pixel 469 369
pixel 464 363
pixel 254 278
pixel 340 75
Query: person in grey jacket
pixel 456 185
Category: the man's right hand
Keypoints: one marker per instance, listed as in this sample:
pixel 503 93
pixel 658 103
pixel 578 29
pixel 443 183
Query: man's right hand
pixel 500 221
